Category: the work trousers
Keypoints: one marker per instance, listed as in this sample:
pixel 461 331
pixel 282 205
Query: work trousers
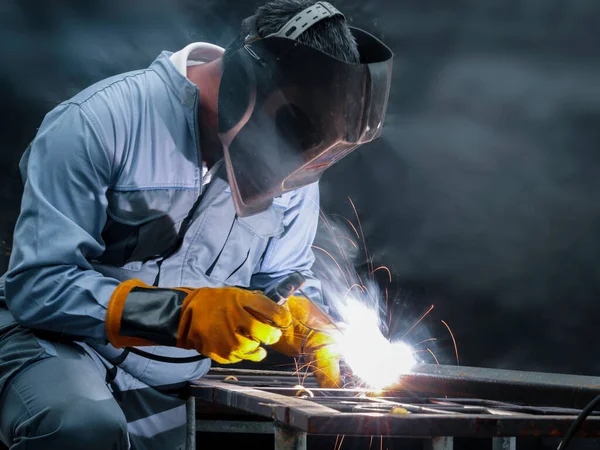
pixel 62 395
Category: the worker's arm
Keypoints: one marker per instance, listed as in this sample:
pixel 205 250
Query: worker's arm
pixel 50 284
pixel 292 250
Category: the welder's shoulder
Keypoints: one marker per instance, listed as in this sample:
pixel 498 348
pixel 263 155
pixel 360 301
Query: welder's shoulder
pixel 125 87
pixel 105 117
pixel 121 100
pixel 117 108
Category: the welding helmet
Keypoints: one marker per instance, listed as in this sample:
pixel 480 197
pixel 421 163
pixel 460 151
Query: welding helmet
pixel 287 111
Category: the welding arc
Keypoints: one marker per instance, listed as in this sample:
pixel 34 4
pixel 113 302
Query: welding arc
pixel 577 423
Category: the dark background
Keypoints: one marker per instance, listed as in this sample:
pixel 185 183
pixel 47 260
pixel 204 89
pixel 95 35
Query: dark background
pixel 482 195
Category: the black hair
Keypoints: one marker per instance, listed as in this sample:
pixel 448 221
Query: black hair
pixel 331 35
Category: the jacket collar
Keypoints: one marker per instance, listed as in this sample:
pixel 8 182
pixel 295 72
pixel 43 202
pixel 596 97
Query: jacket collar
pixel 194 54
pixel 172 68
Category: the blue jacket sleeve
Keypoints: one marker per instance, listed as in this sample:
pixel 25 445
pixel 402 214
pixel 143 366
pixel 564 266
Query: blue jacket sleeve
pixel 292 250
pixel 50 284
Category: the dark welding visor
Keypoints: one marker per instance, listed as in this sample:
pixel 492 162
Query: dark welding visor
pixel 287 112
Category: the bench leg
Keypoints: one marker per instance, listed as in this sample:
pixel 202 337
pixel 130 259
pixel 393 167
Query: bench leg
pixel 190 427
pixel 289 439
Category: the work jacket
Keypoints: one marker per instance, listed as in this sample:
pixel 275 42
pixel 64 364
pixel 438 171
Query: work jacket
pixel 114 189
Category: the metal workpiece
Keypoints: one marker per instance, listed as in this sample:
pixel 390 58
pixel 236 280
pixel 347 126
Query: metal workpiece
pixel 574 391
pixel 327 414
pixel 262 403
pixel 235 426
pixel 434 403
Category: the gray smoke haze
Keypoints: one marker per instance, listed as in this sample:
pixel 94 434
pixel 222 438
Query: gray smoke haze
pixel 340 254
pixel 352 277
pixel 50 51
pixel 53 50
pixel 482 194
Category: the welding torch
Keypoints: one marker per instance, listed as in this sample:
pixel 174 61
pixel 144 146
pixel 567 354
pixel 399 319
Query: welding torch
pixel 291 284
pixel 286 288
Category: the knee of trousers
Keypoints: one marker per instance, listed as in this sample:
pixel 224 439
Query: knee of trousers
pixel 84 424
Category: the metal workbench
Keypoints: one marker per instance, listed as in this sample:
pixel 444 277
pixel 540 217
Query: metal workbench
pixel 434 403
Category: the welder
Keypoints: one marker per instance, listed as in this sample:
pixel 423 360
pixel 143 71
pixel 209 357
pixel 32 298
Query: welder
pixel 159 206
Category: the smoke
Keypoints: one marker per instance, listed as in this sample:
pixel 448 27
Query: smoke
pixel 484 198
pixel 51 51
pixel 356 299
pixel 339 252
pixel 481 195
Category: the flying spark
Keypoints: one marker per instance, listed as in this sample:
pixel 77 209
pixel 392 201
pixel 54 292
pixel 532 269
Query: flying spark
pixel 365 341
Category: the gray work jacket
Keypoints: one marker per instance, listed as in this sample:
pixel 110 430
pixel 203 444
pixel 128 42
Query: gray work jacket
pixel 113 191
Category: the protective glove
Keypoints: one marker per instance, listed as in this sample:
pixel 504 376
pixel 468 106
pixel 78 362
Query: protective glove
pixel 226 324
pixel 313 336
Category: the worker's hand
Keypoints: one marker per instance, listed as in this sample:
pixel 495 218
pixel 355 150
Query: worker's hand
pixel 226 324
pixel 313 336
pixel 229 324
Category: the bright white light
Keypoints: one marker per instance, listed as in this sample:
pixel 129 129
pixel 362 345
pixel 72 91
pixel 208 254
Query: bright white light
pixel 372 358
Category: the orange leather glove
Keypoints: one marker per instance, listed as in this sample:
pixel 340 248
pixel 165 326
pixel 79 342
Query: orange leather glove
pixel 226 324
pixel 313 336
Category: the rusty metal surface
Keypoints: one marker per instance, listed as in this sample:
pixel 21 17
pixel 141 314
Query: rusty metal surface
pixel 234 426
pixel 287 438
pixel 408 410
pixel 537 388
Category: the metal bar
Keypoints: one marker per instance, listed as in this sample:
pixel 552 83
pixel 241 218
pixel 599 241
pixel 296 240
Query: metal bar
pixel 287 438
pixel 273 383
pixel 350 412
pixel 265 404
pixel 190 426
pixel 411 407
pixel 439 443
pixel 535 388
pixel 251 372
pixel 504 443
pixel 314 418
pixel 290 378
pixel 234 426
pixel 431 425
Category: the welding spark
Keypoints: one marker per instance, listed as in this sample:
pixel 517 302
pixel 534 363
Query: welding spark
pixel 364 340
pixel 348 239
pixel 386 269
pixel 362 234
pixel 426 340
pixel 333 259
pixel 419 321
pixel 453 341
pixel 372 358
pixel 341 442
pixel 434 357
